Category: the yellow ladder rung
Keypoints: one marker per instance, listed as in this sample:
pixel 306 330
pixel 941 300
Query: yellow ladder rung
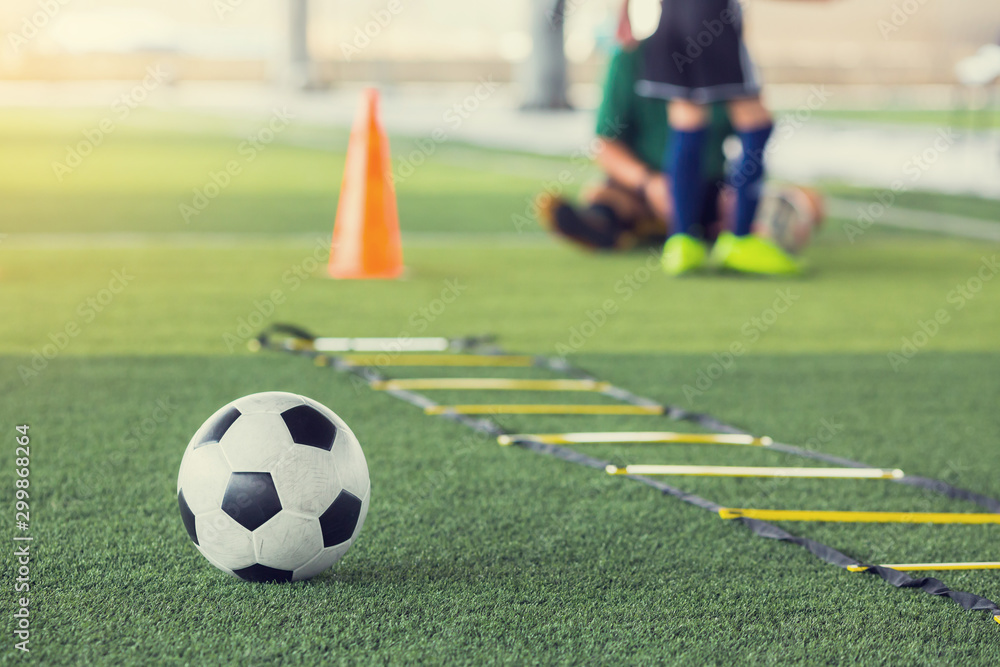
pixel 500 384
pixel 469 360
pixel 545 409
pixel 920 567
pixel 860 517
pixel 750 471
pixel 625 437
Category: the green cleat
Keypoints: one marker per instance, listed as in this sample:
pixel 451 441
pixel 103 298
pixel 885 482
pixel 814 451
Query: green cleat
pixel 752 254
pixel 683 254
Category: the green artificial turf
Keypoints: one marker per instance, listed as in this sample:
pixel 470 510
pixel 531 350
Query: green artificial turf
pixel 968 119
pixel 147 174
pixel 473 553
pixel 541 298
pixel 477 553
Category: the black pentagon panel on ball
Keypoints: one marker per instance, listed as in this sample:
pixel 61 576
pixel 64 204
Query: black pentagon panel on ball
pixel 310 427
pixel 264 574
pixel 340 519
pixel 251 499
pixel 187 516
pixel 219 428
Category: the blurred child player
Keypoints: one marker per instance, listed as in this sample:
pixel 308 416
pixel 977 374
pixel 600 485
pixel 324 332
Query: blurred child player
pixel 633 205
pixel 697 58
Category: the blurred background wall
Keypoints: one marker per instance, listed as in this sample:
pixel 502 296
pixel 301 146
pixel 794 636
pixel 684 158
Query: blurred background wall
pixel 849 41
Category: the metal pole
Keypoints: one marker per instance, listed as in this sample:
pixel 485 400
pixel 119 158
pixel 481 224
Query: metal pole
pixel 298 70
pixel 544 77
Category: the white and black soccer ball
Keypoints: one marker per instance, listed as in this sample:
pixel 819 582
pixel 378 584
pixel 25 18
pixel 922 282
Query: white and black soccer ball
pixel 789 217
pixel 273 487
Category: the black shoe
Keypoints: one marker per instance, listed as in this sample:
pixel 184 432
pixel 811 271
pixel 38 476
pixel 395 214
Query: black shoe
pixel 585 228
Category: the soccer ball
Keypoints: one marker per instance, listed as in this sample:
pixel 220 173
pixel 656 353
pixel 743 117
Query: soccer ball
pixel 273 487
pixel 789 217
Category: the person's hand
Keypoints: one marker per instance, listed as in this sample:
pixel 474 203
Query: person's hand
pixel 657 196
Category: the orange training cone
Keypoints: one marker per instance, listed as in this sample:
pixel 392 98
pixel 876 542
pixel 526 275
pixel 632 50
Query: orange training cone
pixel 366 241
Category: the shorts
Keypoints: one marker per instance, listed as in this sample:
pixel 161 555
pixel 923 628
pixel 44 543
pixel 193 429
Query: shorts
pixel 697 54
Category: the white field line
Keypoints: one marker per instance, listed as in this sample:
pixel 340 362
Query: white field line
pixel 925 221
pixel 903 218
pixel 225 240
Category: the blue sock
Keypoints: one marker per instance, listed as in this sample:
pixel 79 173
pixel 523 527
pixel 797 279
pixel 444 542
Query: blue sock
pixel 748 179
pixel 686 181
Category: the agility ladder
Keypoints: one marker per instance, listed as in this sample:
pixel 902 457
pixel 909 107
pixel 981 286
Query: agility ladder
pixel 362 358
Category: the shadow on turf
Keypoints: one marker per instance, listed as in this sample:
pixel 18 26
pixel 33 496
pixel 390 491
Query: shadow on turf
pixel 364 574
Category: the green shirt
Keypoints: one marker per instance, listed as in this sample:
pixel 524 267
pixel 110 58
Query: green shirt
pixel 641 122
